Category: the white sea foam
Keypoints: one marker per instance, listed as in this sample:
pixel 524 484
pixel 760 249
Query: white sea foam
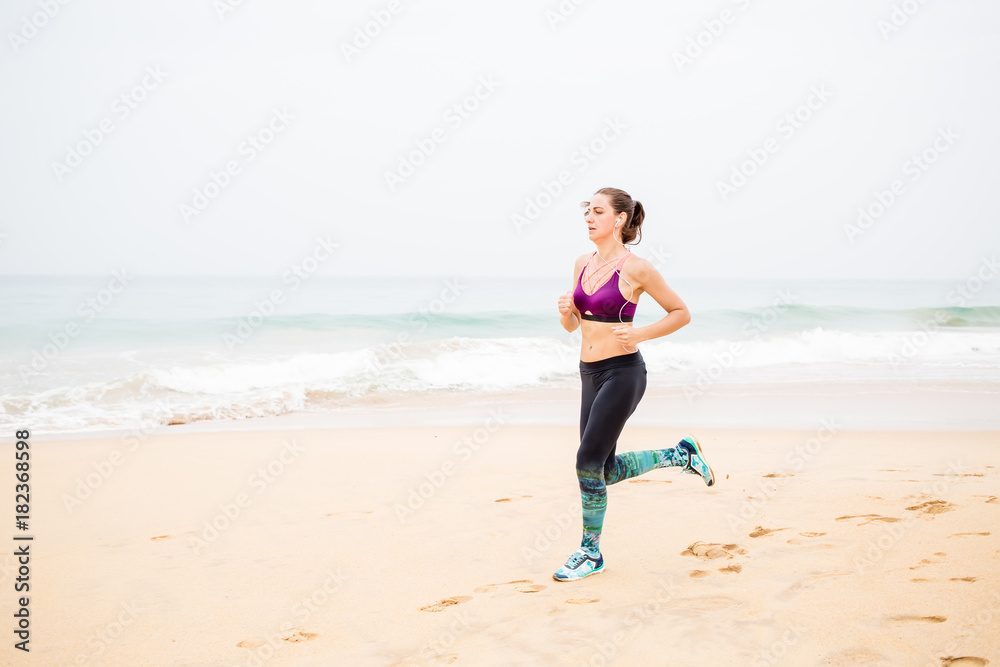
pixel 313 381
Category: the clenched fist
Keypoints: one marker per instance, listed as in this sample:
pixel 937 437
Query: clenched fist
pixel 566 303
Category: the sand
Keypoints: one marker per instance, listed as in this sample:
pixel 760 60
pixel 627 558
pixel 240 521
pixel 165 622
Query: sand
pixel 436 545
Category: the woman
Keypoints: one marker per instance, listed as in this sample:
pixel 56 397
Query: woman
pixel 612 370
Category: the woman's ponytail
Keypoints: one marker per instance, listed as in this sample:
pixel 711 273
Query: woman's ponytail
pixel 633 224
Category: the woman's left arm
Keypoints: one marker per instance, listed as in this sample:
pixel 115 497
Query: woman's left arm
pixel 650 280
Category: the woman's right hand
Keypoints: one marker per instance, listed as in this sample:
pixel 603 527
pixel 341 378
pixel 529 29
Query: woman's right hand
pixel 566 303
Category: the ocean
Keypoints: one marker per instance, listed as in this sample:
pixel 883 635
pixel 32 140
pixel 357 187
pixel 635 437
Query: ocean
pixel 98 353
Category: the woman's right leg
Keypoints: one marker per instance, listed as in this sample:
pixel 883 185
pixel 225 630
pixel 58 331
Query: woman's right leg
pixel 632 464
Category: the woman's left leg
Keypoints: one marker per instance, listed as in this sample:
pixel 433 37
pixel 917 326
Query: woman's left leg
pixel 617 393
pixel 610 401
pixel 610 396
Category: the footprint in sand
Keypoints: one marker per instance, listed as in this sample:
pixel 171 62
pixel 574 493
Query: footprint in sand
pixel 869 518
pixel 778 474
pixel 444 603
pixel 489 588
pixel 731 569
pixel 961 534
pixel 857 656
pixel 698 574
pixel 813 578
pixel 710 550
pixel 932 507
pixel 530 588
pixel 761 531
pixel 958 474
pixel 161 537
pixel 705 603
pixel 993 501
pixel 582 600
pixel 930 561
pixel 969 579
pixel 520 585
pixel 811 543
pixel 918 619
pixel 508 500
pixel 294 636
pixel 964 661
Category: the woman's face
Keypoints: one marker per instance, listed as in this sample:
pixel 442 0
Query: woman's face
pixel 600 217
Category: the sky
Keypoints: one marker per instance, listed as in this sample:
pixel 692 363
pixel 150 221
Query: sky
pixel 778 139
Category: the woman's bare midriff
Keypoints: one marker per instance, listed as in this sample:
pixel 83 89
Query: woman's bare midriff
pixel 599 341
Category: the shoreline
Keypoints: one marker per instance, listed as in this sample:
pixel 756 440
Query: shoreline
pixel 912 407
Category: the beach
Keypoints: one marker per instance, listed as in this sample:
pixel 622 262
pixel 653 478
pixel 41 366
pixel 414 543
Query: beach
pixel 429 544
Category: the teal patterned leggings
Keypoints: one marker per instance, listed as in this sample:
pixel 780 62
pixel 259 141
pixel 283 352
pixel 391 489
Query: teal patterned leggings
pixel 612 389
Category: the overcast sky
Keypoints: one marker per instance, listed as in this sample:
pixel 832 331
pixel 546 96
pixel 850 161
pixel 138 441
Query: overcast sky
pixel 115 115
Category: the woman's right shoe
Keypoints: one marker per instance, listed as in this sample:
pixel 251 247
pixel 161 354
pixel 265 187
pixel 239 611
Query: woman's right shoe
pixel 697 465
pixel 579 565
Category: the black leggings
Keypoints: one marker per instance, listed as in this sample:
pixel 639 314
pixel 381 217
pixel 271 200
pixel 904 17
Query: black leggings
pixel 612 389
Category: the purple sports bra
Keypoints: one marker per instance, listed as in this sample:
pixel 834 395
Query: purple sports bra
pixel 607 302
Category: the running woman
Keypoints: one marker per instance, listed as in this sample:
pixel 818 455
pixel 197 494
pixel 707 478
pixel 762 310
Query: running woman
pixel 612 370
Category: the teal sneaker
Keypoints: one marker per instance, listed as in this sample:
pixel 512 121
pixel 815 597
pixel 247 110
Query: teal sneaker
pixel 697 465
pixel 579 565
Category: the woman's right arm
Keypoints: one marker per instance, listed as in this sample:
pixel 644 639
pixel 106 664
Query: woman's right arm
pixel 569 316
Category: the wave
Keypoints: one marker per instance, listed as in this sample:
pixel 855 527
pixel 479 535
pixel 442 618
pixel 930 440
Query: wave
pixel 423 325
pixel 306 381
pixel 796 317
pixel 192 388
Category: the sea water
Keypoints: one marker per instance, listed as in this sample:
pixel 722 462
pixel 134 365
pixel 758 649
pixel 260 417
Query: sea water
pixel 87 354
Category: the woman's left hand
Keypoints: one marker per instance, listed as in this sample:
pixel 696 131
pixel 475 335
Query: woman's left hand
pixel 626 335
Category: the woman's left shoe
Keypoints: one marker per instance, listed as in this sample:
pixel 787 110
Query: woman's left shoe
pixel 697 465
pixel 579 565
